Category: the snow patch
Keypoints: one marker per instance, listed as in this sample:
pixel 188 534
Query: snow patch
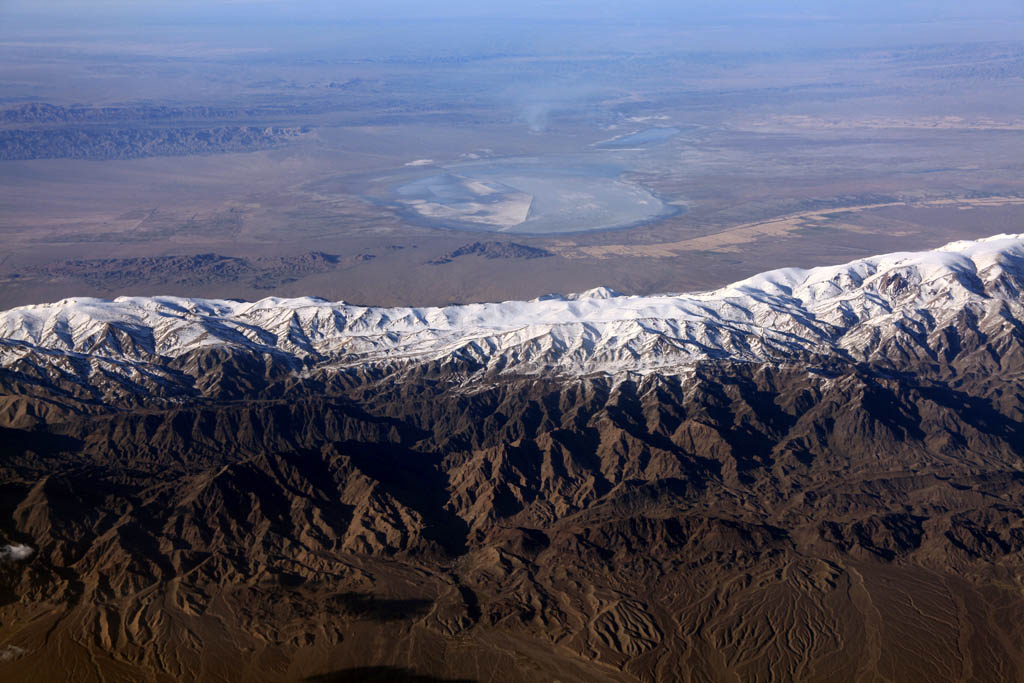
pixel 15 552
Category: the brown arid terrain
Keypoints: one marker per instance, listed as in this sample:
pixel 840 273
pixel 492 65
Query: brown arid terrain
pixel 738 238
pixel 210 473
pixel 123 166
pixel 747 524
pixel 271 510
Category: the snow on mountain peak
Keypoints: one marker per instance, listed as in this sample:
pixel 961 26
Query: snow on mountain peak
pixel 849 310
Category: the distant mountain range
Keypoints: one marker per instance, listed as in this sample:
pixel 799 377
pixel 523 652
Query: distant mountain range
pixel 104 142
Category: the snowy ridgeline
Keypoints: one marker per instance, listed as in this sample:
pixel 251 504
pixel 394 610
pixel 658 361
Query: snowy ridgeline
pixel 854 310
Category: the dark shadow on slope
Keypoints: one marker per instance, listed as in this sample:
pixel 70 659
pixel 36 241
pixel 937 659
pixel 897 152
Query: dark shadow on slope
pixel 376 608
pixel 979 413
pixel 415 480
pixel 388 674
pixel 627 414
pixel 15 444
pixel 896 412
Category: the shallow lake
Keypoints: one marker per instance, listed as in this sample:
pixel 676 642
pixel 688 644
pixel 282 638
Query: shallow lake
pixel 528 196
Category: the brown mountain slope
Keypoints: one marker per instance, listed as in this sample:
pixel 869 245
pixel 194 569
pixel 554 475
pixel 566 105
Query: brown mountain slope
pixel 736 522
pixel 810 475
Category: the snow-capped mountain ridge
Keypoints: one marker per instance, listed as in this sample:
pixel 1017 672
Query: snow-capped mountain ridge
pixel 875 306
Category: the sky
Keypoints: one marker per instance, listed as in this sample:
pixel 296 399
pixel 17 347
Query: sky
pixel 694 10
pixel 702 24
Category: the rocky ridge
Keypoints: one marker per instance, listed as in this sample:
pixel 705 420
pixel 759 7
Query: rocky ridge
pixel 808 475
pixel 889 310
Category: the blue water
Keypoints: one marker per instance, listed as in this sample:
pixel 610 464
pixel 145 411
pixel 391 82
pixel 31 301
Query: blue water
pixel 567 195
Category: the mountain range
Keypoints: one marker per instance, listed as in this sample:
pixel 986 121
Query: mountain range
pixel 806 475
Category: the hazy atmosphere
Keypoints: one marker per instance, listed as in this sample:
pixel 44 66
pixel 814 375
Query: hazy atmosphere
pixel 273 136
pixel 522 341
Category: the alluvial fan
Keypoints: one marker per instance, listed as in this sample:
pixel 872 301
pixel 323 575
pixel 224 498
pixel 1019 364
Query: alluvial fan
pixel 807 475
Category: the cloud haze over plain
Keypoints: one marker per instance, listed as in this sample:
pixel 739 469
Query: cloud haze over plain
pixel 393 9
pixel 702 11
pixel 462 27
